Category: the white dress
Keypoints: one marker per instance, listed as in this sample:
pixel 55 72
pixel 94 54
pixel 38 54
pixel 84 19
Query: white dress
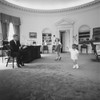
pixel 74 54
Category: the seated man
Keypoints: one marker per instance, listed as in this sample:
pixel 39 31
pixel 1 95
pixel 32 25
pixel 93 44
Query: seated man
pixel 16 50
pixel 34 43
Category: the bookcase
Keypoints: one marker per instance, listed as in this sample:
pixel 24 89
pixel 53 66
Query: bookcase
pixel 83 36
pixel 47 37
pixel 96 34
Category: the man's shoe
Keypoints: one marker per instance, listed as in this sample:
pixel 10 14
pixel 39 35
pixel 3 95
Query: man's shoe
pixel 59 58
pixel 77 66
pixel 22 64
pixel 74 66
pixel 18 66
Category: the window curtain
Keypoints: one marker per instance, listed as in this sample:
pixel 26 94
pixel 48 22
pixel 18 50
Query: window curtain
pixel 16 25
pixel 5 25
pixel 5 21
pixel 0 29
pixel 17 30
pixel 0 34
pixel 5 29
pixel 0 17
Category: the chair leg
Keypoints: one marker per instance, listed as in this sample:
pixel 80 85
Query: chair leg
pixel 7 61
pixel 97 57
pixel 13 62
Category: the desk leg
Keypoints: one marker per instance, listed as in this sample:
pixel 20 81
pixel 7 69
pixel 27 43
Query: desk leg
pixel 87 50
pixel 2 56
pixel 81 50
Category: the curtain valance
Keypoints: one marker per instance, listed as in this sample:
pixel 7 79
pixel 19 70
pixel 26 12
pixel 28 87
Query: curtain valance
pixel 8 18
pixel 15 20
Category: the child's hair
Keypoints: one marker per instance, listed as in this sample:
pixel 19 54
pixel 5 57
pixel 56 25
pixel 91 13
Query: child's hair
pixel 74 46
pixel 15 35
pixel 57 39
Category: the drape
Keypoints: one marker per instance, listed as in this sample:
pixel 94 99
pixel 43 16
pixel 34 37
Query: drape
pixel 5 21
pixel 0 34
pixel 15 20
pixel 17 30
pixel 0 17
pixel 5 29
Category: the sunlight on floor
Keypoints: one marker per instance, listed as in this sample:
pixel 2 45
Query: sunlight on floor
pixel 3 64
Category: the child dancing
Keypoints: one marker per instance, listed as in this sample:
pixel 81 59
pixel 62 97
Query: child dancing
pixel 74 55
pixel 58 48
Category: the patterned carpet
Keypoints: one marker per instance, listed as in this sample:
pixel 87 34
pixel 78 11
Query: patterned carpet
pixel 47 79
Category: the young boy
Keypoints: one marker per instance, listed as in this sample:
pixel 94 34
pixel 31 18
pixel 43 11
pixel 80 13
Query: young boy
pixel 74 55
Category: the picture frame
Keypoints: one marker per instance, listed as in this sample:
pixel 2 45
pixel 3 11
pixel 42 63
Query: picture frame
pixel 32 34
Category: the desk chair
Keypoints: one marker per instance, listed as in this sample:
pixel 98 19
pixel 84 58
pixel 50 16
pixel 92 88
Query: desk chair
pixel 1 48
pixel 45 48
pixel 9 57
pixel 53 48
pixel 84 46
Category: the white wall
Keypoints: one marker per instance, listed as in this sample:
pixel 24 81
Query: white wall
pixel 35 22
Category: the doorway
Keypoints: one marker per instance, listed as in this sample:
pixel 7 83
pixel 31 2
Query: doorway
pixel 65 40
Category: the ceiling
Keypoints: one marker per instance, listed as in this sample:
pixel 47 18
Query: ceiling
pixel 48 4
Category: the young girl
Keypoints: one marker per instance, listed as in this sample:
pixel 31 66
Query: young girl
pixel 74 55
pixel 58 48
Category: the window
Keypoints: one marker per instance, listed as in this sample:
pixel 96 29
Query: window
pixel 11 32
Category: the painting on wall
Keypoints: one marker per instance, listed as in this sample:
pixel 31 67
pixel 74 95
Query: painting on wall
pixel 32 35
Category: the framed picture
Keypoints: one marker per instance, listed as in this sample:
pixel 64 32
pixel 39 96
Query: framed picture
pixel 32 35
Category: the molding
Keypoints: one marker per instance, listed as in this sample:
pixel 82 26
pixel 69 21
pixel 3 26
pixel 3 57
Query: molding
pixel 49 11
pixel 64 22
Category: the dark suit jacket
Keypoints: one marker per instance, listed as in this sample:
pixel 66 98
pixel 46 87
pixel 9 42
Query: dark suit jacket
pixel 14 47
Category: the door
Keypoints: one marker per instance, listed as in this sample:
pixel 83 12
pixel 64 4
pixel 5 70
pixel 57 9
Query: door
pixel 65 40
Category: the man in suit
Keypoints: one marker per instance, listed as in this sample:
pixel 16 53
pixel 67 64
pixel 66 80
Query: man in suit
pixel 16 50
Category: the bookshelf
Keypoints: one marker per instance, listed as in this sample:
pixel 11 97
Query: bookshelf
pixel 83 36
pixel 96 34
pixel 47 37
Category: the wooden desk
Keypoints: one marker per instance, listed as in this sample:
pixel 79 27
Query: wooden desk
pixel 30 53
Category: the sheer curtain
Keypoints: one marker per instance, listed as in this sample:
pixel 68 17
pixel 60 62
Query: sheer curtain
pixel 17 30
pixel 10 25
pixel 11 32
pixel 0 35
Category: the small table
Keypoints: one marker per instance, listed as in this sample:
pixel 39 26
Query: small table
pixel 84 46
pixel 45 48
pixel 53 48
